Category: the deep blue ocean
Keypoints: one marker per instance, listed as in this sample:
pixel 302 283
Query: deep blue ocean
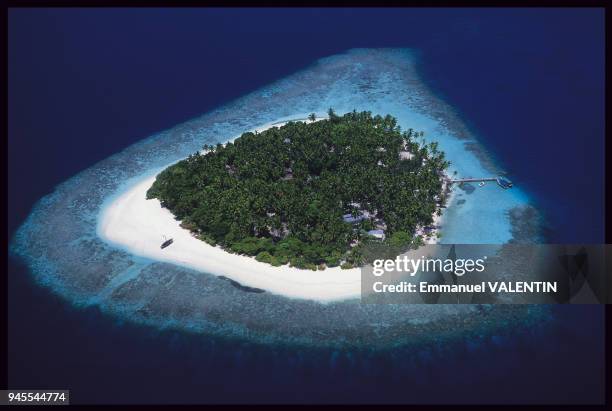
pixel 85 83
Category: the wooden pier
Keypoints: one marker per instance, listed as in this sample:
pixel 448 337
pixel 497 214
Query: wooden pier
pixel 473 180
pixel 501 181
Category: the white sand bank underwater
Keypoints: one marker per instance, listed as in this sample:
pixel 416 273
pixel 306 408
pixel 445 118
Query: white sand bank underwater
pixel 138 225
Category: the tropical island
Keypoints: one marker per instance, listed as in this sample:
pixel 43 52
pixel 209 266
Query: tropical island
pixel 309 194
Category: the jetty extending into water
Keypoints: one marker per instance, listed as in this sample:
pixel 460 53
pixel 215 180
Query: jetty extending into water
pixel 501 181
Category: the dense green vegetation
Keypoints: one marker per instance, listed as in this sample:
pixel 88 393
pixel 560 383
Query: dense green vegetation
pixel 281 194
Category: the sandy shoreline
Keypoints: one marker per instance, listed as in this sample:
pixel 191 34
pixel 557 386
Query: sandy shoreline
pixel 138 225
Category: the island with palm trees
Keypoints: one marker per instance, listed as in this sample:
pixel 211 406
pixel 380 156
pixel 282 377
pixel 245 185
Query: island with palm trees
pixel 310 194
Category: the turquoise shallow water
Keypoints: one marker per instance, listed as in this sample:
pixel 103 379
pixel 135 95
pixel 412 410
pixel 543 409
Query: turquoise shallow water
pixel 60 245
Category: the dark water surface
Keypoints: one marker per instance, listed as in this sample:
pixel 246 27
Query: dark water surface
pixel 83 84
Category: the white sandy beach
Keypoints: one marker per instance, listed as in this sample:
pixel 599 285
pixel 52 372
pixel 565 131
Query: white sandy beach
pixel 138 225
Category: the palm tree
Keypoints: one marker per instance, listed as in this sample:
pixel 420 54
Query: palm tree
pixel 312 117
